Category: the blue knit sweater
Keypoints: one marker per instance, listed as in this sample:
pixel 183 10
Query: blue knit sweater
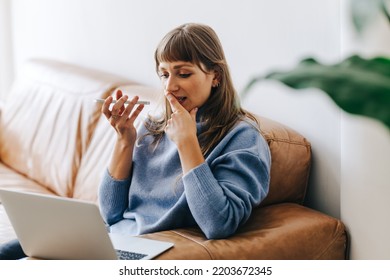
pixel 218 195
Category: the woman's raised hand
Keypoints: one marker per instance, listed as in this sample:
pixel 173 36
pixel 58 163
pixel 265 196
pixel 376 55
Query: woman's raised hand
pixel 182 124
pixel 122 117
pixel 181 129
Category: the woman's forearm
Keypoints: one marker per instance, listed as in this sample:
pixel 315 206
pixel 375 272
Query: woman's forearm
pixel 121 161
pixel 190 154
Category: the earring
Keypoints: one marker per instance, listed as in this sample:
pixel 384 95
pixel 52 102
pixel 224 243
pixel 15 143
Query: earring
pixel 216 84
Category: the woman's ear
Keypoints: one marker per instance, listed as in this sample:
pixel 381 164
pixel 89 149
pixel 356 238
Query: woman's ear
pixel 217 78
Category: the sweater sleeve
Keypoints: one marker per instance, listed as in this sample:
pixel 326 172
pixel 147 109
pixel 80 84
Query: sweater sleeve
pixel 113 198
pixel 221 193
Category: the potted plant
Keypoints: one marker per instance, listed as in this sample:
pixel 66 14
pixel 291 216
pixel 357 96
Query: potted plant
pixel 357 85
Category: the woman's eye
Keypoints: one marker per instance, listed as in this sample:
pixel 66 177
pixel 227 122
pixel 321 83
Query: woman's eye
pixel 163 75
pixel 184 75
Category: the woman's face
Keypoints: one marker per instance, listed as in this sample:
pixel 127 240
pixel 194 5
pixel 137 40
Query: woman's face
pixel 187 82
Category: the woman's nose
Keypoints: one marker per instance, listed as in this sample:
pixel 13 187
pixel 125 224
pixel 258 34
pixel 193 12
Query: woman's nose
pixel 171 84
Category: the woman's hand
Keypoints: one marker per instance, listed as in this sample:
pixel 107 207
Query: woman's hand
pixel 182 124
pixel 122 120
pixel 181 129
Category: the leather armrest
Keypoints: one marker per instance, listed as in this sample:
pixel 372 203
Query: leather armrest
pixel 281 232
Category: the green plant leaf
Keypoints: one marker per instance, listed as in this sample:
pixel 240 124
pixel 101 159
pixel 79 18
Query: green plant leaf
pixel 364 12
pixel 384 8
pixel 358 86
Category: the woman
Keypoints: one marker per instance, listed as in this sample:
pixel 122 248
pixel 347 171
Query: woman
pixel 202 163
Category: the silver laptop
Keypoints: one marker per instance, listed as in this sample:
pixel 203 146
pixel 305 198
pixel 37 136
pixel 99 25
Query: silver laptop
pixel 50 227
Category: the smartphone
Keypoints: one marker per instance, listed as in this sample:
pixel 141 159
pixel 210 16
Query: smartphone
pixel 127 102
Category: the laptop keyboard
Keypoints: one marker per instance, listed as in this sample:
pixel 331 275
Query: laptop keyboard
pixel 126 255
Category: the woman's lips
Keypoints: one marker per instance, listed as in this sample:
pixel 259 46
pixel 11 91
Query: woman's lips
pixel 181 99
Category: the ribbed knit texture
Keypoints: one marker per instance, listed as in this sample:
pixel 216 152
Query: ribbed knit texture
pixel 218 195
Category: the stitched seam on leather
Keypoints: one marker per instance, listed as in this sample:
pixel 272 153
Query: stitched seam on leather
pixel 271 138
pixel 284 140
pixel 197 242
pixel 331 244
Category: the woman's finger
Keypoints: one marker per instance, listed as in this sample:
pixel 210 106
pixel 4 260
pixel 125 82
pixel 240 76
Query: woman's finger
pixel 106 107
pixel 127 113
pixel 175 105
pixel 119 106
pixel 118 94
pixel 136 113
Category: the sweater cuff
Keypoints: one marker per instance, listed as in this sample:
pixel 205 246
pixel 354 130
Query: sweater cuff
pixel 113 189
pixel 198 188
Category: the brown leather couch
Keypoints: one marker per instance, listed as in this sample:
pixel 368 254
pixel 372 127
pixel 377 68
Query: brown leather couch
pixel 54 140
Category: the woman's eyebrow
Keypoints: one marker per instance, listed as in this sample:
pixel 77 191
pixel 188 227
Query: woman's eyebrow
pixel 182 65
pixel 178 66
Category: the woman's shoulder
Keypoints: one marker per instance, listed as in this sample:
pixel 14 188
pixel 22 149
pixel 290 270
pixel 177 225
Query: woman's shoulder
pixel 246 132
pixel 246 125
pixel 243 141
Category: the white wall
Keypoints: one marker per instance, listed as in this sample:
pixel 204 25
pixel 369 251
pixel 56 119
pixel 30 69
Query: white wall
pixel 365 158
pixel 6 59
pixel 119 36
